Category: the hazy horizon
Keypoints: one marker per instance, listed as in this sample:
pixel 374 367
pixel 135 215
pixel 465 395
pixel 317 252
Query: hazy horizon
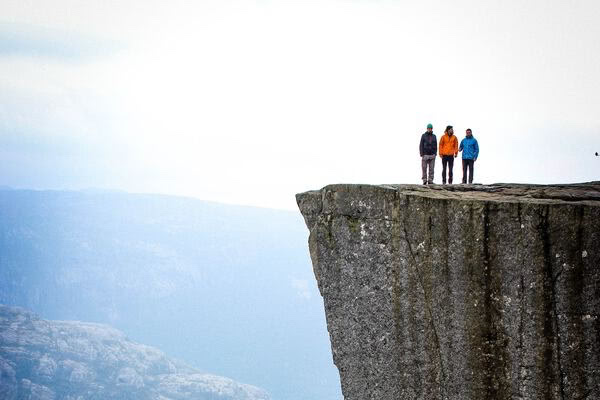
pixel 251 102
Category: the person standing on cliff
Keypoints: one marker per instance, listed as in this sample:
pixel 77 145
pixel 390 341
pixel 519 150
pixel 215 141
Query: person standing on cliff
pixel 470 152
pixel 428 150
pixel 448 152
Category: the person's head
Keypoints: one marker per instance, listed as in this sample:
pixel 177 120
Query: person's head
pixel 429 128
pixel 469 132
pixel 449 130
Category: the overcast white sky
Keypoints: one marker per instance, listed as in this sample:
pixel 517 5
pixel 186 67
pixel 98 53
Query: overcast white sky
pixel 251 102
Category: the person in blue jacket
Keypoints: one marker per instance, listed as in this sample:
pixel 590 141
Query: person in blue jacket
pixel 470 152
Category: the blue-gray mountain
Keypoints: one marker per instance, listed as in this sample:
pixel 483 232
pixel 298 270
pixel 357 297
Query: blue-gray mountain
pixel 53 360
pixel 228 289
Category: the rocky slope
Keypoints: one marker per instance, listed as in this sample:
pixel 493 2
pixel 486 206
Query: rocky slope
pixel 460 292
pixel 42 359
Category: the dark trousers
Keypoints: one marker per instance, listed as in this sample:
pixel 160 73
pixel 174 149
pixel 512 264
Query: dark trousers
pixel 468 164
pixel 449 162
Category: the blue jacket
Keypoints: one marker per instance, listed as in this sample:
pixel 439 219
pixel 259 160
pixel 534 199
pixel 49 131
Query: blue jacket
pixel 469 148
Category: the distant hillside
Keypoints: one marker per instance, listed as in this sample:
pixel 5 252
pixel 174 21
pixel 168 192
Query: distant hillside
pixel 227 289
pixel 42 359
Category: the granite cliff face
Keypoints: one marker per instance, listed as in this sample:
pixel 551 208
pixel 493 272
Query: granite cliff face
pixel 460 292
pixel 52 360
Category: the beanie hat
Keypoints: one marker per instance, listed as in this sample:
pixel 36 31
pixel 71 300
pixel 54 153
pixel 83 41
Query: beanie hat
pixel 429 126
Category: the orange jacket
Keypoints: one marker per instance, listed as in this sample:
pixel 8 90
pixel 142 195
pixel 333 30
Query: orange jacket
pixel 448 145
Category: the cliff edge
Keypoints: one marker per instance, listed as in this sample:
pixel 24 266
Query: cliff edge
pixel 460 292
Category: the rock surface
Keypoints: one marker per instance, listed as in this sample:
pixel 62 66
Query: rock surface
pixel 460 292
pixel 42 359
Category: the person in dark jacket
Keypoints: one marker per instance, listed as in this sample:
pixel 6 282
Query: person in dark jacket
pixel 428 151
pixel 470 152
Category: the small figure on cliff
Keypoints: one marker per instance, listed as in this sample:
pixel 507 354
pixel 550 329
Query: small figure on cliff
pixel 470 152
pixel 448 152
pixel 428 150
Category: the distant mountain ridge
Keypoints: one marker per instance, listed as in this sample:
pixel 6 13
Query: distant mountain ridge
pixel 228 289
pixel 56 360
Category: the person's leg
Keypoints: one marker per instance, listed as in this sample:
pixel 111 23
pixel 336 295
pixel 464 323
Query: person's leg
pixel 464 165
pixel 469 172
pixel 472 169
pixel 443 170
pixel 424 170
pixel 450 166
pixel 431 169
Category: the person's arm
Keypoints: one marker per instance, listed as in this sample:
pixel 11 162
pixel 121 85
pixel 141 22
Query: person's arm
pixel 421 146
pixel 455 146
pixel 476 150
pixel 461 145
pixel 436 146
pixel 440 147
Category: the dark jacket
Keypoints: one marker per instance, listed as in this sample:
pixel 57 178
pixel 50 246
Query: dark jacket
pixel 428 145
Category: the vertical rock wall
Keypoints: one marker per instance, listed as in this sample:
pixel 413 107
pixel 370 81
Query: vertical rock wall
pixel 460 292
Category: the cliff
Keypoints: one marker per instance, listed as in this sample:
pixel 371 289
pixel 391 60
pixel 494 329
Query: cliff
pixel 53 360
pixel 460 292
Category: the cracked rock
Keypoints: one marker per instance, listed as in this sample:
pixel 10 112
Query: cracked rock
pixel 457 292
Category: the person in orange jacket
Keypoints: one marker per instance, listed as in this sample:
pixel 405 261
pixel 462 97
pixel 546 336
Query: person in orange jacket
pixel 448 150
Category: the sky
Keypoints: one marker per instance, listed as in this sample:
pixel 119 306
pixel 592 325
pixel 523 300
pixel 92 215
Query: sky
pixel 251 102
